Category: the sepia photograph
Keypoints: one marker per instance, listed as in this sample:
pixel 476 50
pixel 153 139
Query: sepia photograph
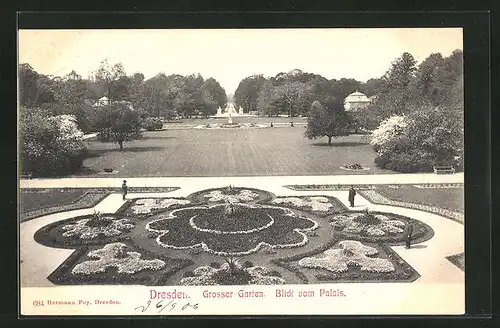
pixel 294 171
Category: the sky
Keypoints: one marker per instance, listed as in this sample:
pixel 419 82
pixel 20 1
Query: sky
pixel 229 55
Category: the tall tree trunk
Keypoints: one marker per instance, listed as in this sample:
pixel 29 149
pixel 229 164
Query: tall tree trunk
pixel 120 143
pixel 329 140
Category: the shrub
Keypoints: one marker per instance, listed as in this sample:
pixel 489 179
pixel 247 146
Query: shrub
pixel 275 273
pixel 432 136
pixel 152 124
pixel 387 131
pixel 50 146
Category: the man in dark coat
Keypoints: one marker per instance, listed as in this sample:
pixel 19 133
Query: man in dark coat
pixel 352 193
pixel 408 231
pixel 124 189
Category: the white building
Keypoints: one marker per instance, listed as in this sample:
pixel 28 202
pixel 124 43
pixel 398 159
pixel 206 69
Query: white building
pixel 355 101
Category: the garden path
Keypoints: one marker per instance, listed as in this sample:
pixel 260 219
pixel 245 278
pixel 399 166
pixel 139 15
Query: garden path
pixel 428 258
pixel 411 178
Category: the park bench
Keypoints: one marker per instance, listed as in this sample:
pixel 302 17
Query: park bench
pixel 443 169
pixel 26 176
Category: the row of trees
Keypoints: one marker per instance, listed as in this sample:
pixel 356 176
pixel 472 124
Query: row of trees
pixel 162 95
pixel 56 111
pixel 293 93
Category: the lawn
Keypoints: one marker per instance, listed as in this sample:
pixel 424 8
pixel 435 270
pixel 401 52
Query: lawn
pixel 229 152
pixel 46 198
pixel 449 198
pixel 37 202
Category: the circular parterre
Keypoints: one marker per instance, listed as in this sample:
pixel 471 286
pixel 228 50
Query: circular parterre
pixel 245 232
pixel 158 240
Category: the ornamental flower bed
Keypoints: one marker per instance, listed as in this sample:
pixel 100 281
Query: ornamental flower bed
pixel 114 263
pixel 234 274
pixel 367 224
pixel 230 194
pixel 351 253
pixel 114 255
pixel 147 205
pixel 251 227
pixel 379 227
pixel 319 205
pixel 354 167
pixel 98 225
pixel 241 196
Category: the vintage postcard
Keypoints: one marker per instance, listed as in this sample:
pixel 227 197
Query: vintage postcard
pixel 241 172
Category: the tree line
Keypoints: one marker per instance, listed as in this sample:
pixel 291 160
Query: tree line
pixel 163 95
pixel 292 93
pixel 55 112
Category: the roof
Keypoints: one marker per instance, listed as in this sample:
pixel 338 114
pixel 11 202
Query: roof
pixel 357 97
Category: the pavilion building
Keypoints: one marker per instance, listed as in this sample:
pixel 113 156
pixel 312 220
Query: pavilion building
pixel 355 101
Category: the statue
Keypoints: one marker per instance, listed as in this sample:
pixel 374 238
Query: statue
pixel 219 110
pixel 241 110
pixel 230 119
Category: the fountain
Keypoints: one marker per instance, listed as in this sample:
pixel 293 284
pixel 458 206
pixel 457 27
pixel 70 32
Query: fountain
pixel 230 111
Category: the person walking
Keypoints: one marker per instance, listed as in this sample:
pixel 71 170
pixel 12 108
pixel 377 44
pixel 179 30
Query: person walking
pixel 408 231
pixel 124 189
pixel 352 193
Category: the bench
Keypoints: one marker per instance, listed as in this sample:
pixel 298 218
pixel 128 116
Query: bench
pixel 443 169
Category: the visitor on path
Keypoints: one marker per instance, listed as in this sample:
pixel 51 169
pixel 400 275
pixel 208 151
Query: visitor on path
pixel 408 231
pixel 271 125
pixel 291 124
pixel 352 193
pixel 124 189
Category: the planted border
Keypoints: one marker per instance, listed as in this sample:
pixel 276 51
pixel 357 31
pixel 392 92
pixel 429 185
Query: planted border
pixel 375 197
pixel 330 187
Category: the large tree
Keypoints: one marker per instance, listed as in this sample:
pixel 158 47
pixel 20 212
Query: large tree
pixel 266 101
pixel 213 96
pixel 34 89
pixel 436 80
pixel 290 94
pixel 395 95
pixel 118 123
pixel 330 121
pixel 73 97
pixel 111 79
pixel 248 91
